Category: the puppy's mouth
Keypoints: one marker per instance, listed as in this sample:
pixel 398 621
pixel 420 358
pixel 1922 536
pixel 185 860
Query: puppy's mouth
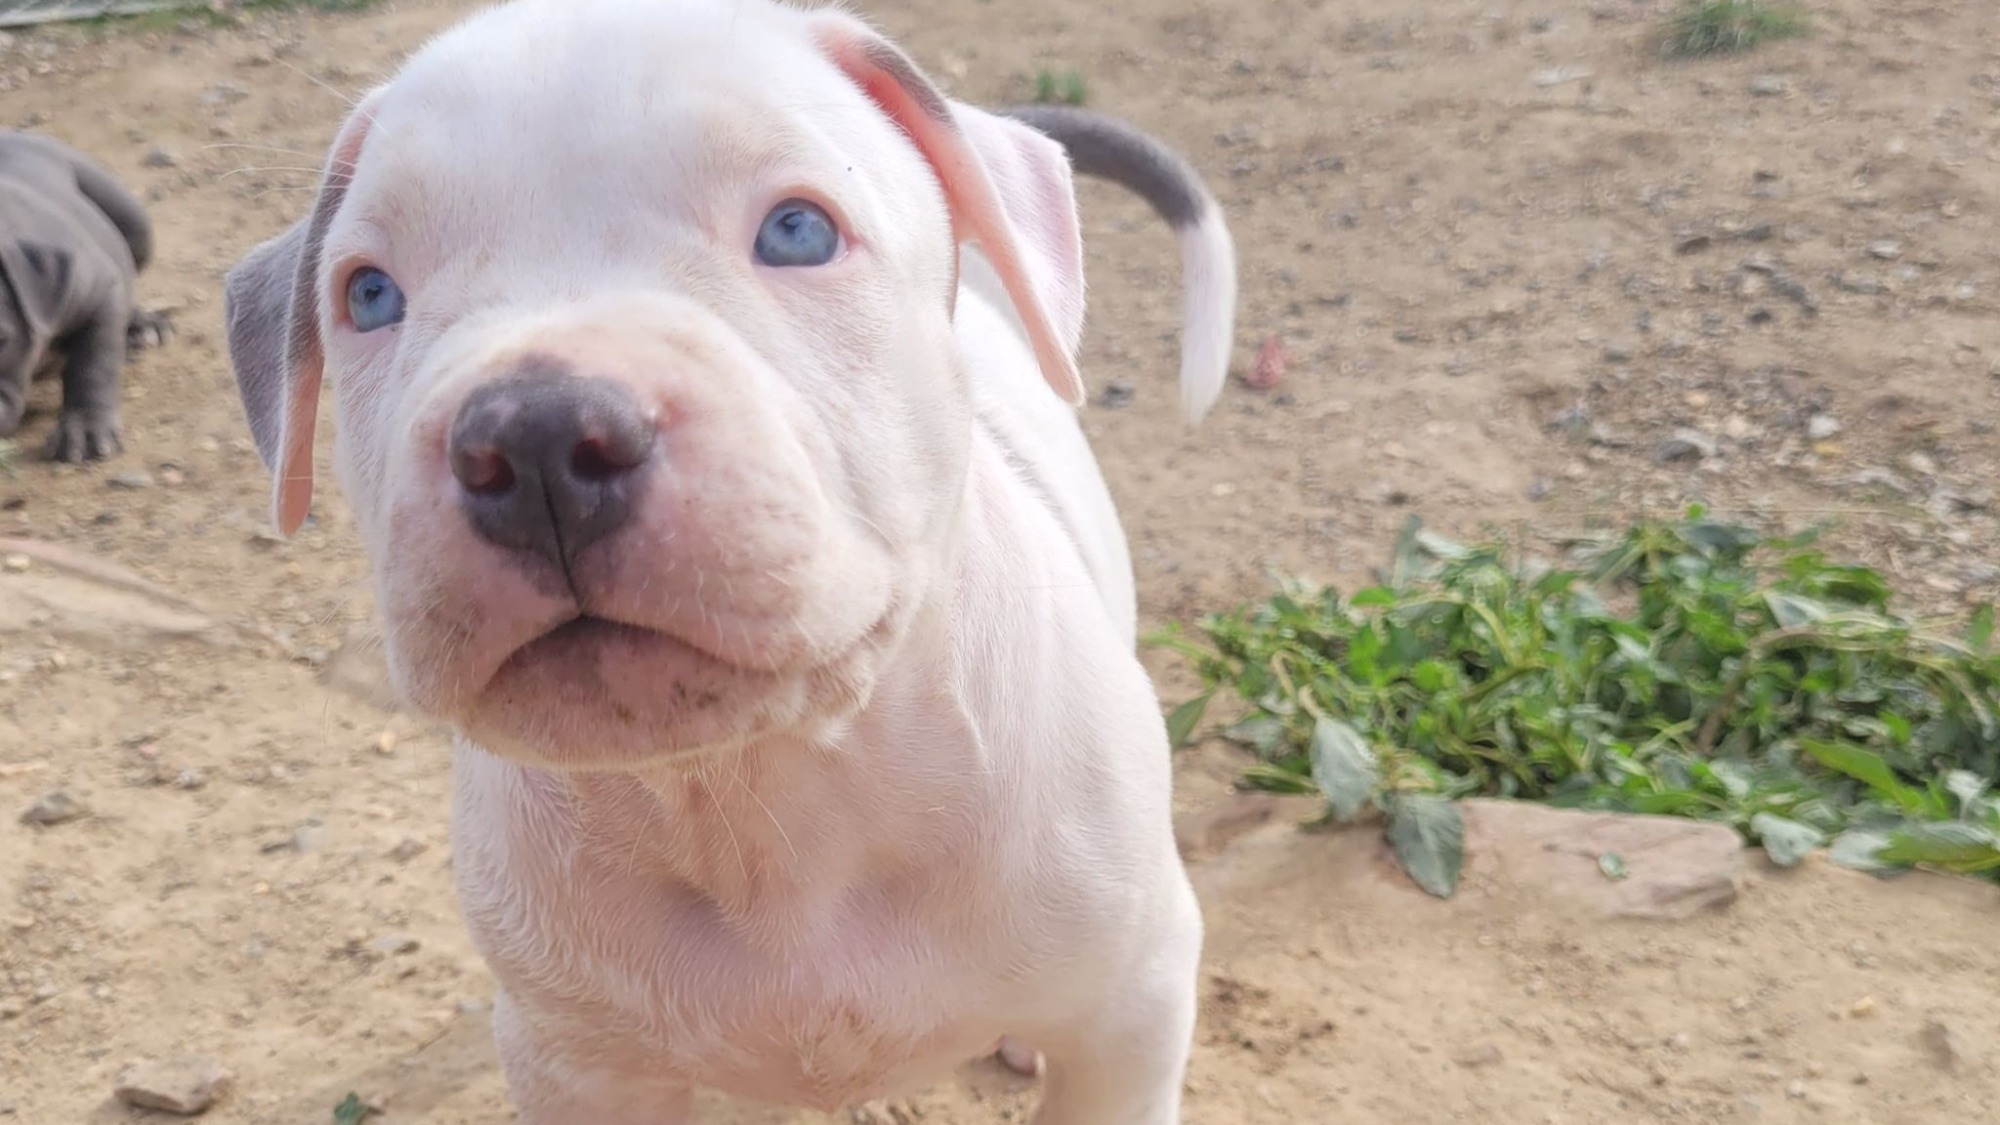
pixel 578 636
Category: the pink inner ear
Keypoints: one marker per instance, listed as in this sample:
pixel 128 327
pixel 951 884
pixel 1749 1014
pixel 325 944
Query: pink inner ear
pixel 976 210
pixel 292 491
pixel 1031 173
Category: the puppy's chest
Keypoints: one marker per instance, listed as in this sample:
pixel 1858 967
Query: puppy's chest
pixel 865 1008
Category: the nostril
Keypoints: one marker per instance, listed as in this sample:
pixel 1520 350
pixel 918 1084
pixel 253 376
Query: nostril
pixel 482 470
pixel 593 459
pixel 622 444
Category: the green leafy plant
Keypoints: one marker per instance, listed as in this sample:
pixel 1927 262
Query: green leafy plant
pixel 1690 668
pixel 213 13
pixel 1730 27
pixel 1066 87
pixel 351 1110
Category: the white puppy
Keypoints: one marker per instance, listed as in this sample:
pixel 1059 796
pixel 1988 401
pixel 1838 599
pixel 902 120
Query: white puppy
pixel 782 610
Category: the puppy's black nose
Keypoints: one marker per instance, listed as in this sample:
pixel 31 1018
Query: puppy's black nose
pixel 550 463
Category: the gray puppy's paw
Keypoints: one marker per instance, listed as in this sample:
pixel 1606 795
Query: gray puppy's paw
pixel 85 436
pixel 149 330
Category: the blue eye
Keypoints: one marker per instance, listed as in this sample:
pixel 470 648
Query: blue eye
pixel 797 233
pixel 373 300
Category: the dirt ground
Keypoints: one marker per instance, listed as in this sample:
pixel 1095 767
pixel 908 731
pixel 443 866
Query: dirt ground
pixel 1526 272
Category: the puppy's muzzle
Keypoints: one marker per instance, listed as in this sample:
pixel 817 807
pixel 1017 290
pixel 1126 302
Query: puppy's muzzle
pixel 549 463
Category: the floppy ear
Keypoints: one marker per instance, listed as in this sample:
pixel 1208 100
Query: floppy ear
pixel 271 308
pixel 1008 188
pixel 39 278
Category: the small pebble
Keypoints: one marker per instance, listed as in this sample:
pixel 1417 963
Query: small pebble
pixel 184 1084
pixel 1822 427
pixel 1484 1055
pixel 53 808
pixel 14 564
pixel 1941 1043
pixel 1863 1007
pixel 311 838
pixel 1686 445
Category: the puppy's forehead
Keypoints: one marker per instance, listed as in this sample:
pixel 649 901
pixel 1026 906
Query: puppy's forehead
pixel 581 110
pixel 606 67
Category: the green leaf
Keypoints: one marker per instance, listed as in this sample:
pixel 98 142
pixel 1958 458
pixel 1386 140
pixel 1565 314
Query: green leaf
pixel 1860 849
pixel 1181 723
pixel 1967 786
pixel 1791 611
pixel 1979 635
pixel 1261 733
pixel 1734 777
pixel 1949 845
pixel 1428 835
pixel 1344 768
pixel 1613 866
pixel 351 1110
pixel 1866 767
pixel 1276 780
pixel 1786 841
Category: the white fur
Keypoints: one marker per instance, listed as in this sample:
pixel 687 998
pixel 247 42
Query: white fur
pixel 1208 264
pixel 873 782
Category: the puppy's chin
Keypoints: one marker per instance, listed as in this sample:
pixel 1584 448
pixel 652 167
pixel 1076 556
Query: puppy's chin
pixel 596 695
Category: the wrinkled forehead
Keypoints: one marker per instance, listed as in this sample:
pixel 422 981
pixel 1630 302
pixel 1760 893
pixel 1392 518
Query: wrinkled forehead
pixel 682 107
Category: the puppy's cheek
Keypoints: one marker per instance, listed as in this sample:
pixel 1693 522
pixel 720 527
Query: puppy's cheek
pixel 368 429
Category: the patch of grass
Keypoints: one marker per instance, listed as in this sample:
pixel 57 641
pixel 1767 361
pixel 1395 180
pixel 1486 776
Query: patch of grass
pixel 218 14
pixel 1689 668
pixel 316 5
pixel 1731 27
pixel 1065 87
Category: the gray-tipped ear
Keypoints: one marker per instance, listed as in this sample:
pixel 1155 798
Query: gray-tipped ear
pixel 257 310
pixel 271 305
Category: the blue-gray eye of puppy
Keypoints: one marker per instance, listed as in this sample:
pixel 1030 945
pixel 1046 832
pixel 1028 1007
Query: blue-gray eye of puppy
pixel 797 233
pixel 373 300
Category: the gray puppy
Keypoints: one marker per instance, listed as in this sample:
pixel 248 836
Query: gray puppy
pixel 72 242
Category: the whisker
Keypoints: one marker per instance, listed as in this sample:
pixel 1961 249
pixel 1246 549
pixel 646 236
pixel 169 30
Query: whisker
pixel 269 168
pixel 351 100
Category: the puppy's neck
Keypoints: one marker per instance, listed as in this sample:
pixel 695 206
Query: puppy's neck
pixel 786 837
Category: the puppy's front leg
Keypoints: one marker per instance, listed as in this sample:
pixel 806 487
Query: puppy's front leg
pixel 87 428
pixel 1124 1063
pixel 548 1088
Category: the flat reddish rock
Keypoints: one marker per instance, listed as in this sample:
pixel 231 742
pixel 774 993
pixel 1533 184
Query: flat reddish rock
pixel 1672 867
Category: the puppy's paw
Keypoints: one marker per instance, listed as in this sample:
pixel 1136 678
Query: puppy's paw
pixel 149 330
pixel 1019 1057
pixel 85 436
